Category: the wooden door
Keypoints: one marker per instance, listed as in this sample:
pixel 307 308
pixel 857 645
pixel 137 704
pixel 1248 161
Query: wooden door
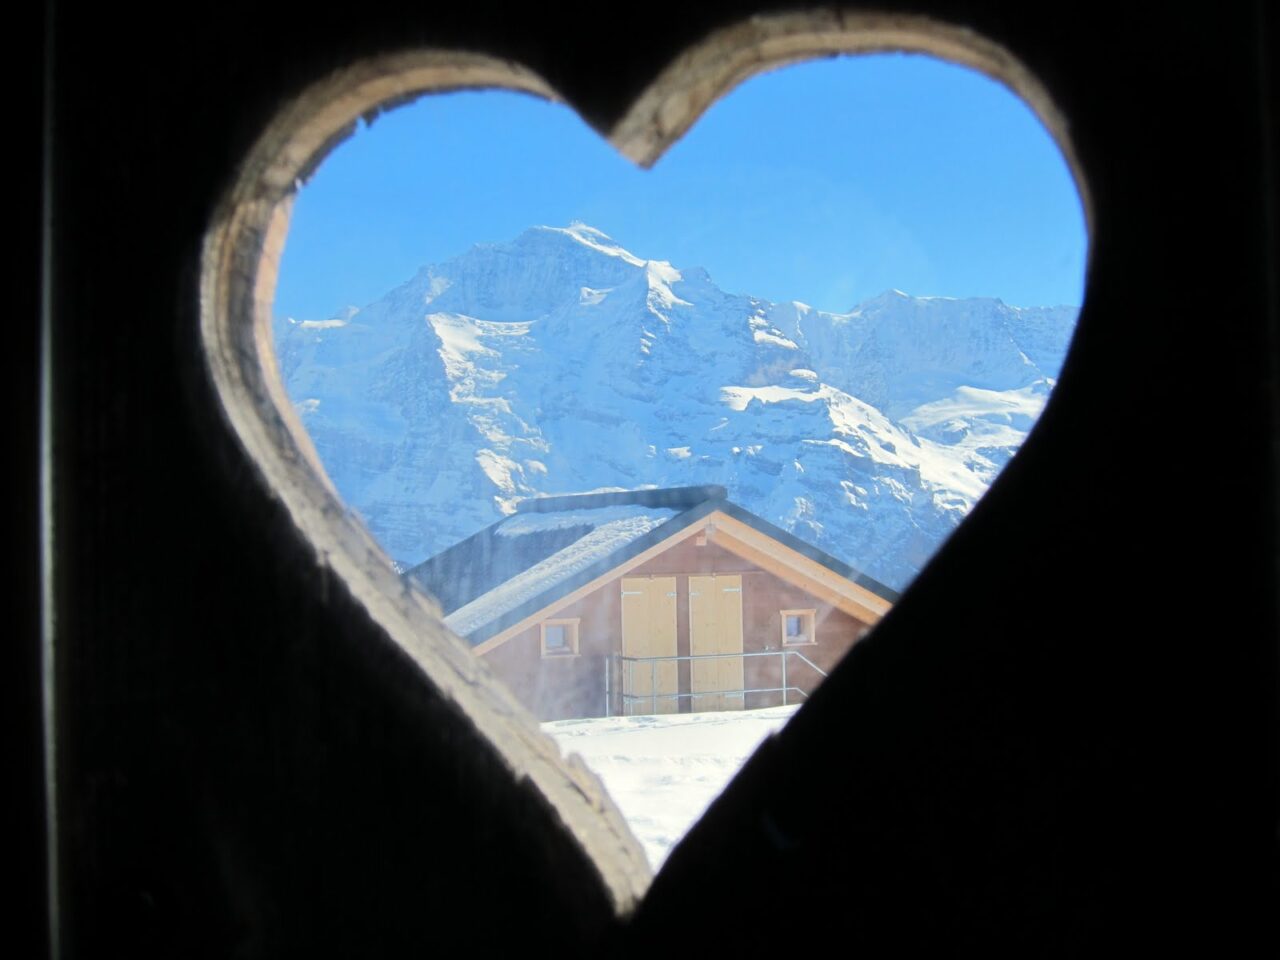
pixel 649 630
pixel 715 626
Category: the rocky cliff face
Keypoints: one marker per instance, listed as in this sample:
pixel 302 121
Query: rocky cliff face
pixel 560 363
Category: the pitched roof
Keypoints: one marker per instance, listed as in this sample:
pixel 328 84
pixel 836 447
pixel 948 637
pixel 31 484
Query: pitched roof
pixel 551 546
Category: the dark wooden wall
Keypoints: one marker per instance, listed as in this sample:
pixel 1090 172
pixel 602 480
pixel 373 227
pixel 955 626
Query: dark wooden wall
pixel 1050 758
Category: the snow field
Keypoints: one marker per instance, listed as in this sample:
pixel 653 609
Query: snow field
pixel 664 771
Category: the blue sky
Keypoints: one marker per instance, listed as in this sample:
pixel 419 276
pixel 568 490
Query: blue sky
pixel 827 182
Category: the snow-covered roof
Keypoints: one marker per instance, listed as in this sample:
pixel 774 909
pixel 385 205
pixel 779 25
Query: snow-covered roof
pixel 605 531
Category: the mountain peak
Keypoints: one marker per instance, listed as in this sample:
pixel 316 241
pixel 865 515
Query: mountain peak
pixel 579 227
pixel 583 235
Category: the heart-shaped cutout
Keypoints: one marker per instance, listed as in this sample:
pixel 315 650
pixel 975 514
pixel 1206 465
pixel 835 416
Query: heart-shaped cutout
pixel 536 610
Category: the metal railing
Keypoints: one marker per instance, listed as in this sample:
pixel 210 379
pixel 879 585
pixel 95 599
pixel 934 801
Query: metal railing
pixel 627 665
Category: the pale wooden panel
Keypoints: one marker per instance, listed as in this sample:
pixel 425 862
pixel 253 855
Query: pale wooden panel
pixel 662 604
pixel 715 626
pixel 702 640
pixel 649 630
pixel 635 633
pixel 729 624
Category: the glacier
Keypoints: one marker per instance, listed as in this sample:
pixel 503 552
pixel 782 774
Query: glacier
pixel 562 363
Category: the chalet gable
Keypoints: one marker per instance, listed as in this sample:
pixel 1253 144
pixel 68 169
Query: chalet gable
pixel 555 550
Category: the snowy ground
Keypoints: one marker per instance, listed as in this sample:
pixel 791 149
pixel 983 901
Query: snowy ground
pixel 664 771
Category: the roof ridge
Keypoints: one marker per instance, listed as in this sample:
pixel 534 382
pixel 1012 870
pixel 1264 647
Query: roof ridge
pixel 673 498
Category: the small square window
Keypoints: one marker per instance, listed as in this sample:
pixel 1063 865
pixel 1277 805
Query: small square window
pixel 560 638
pixel 798 626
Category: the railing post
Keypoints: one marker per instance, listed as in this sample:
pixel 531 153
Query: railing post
pixel 607 705
pixel 784 678
pixel 653 685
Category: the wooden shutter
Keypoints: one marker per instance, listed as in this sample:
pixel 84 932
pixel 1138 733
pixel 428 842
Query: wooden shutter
pixel 715 626
pixel 649 630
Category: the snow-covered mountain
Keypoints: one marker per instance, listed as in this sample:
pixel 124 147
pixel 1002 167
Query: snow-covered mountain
pixel 561 363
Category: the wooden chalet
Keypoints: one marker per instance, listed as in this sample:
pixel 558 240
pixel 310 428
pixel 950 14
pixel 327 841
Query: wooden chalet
pixel 650 601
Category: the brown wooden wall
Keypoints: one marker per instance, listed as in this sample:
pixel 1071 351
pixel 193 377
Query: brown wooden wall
pixel 561 687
